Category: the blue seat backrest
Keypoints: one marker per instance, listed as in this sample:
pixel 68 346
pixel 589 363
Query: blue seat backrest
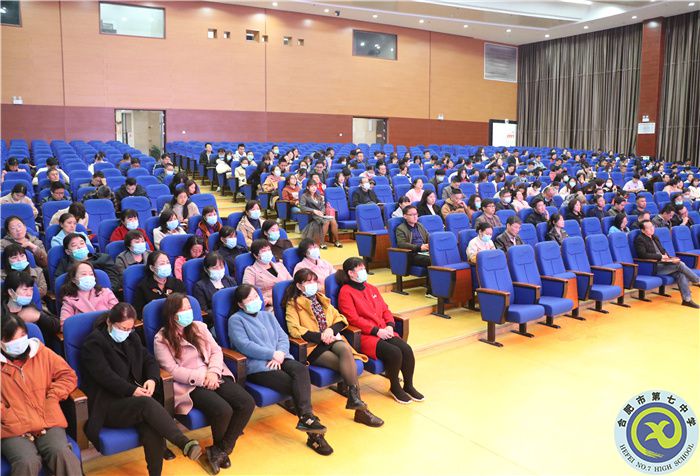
pixel 142 206
pixel 204 199
pixel 278 291
pixel 153 318
pixel 487 190
pixel 492 271
pixel 598 250
pixel 620 248
pixel 290 258
pixel 394 222
pixel 172 245
pixel 22 210
pixel 444 249
pixel 48 210
pixel 75 331
pixel 336 197
pixel 682 238
pixel 591 226
pixel 607 223
pixel 332 290
pixel 114 248
pixel 522 265
pixel 105 230
pixel 541 231
pixel 468 189
pixel 369 218
pixel 98 209
pixel 161 201
pixel 234 218
pixel 33 331
pixel 664 236
pixel 572 228
pixel 432 223
pixel 240 263
pixel 528 234
pixel 549 260
pixel 191 272
pixel 384 193
pixel 132 277
pixel 573 252
pixel 456 222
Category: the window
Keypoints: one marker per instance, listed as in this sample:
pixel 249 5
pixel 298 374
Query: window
pixel 252 35
pixel 287 41
pixel 129 20
pixel 9 13
pixel 211 33
pixel 264 38
pixel 300 42
pixel 377 45
pixel 227 35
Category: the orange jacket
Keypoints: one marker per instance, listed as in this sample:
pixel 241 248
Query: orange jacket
pixel 31 392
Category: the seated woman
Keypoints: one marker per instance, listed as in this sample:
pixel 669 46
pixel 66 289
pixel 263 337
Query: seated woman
pixel 481 242
pixel 122 382
pixel 271 185
pixel 68 224
pixel 291 192
pixel 415 194
pixel 363 306
pixel 81 293
pixel 214 278
pixel 339 180
pixel 250 221
pixel 228 247
pixel 555 229
pixel 129 222
pixel 186 349
pixel 265 272
pixel 320 223
pixel 519 199
pixel 271 231
pixel 427 205
pixel 310 316
pixel 183 207
pixel 19 195
pixel 193 248
pixel 574 210
pixel 257 335
pixel 158 281
pixel 17 233
pixel 136 251
pixel 401 204
pixel 17 299
pixel 14 258
pixel 208 225
pixel 316 177
pixel 168 224
pixel 191 187
pixel 311 259
pixel 32 438
pixel 619 224
pixel 76 251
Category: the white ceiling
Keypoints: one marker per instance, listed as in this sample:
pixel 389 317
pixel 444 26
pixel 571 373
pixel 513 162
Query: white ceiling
pixel 514 22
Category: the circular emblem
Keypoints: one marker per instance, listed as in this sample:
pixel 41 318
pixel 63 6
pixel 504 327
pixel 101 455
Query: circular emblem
pixel 656 432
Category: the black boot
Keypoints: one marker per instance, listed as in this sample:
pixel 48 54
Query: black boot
pixel 214 456
pixel 354 400
pixel 366 417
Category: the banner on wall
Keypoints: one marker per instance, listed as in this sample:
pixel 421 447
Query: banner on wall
pixel 502 132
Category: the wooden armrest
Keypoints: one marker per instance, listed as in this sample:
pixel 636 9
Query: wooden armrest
pixel 365 233
pixel 400 250
pixel 405 322
pixel 581 273
pixel 629 265
pixel 554 278
pixel 644 260
pixel 493 291
pixel 685 253
pixel 443 269
pixel 526 285
pixel 303 348
pixel 80 409
pixel 603 268
pixel 168 392
pixel 240 360
pixel 353 336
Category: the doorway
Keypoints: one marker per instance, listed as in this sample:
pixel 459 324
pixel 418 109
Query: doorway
pixel 369 130
pixel 141 129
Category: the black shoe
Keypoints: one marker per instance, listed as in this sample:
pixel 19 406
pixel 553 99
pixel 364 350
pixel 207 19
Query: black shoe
pixel 168 455
pixel 401 396
pixel 310 424
pixel 354 400
pixel 224 461
pixel 319 444
pixel 415 395
pixel 691 304
pixel 192 450
pixel 214 455
pixel 367 418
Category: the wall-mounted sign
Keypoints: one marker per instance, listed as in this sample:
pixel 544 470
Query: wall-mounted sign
pixel 646 128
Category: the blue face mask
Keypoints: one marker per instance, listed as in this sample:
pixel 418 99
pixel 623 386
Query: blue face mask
pixel 185 318
pixel 138 248
pixel 253 307
pixel 361 276
pixel 477 205
pixel 266 257
pixel 231 242
pixel 315 253
pixel 19 265
pixel 131 224
pixel 164 271
pixel 80 253
pixel 17 346
pixel 86 283
pixel 22 300
pixel 211 220
pixel 485 238
pixel 216 274
pixel 173 224
pixel 118 335
pixel 255 214
pixel 310 289
pixel 273 236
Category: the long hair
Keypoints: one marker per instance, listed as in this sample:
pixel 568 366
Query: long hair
pixel 292 293
pixel 69 288
pixel 172 306
pixel 123 311
pixel 341 276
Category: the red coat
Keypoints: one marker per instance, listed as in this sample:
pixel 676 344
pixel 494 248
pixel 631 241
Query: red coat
pixel 366 310
pixel 120 232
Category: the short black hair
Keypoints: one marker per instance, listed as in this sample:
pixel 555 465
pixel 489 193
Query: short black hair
pixel 130 181
pixel 257 245
pixel 668 208
pixel 483 226
pixel 513 219
pixel 57 186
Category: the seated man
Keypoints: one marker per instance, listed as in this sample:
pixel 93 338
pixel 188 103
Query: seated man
pixel 129 189
pixel 663 219
pixel 483 241
pixel 641 205
pixel 618 206
pixel 364 194
pixel 539 212
pixel 635 185
pixel 489 216
pixel 510 237
pixel 453 188
pixel 58 193
pixel 413 236
pixel 648 246
pixel 454 204
pixel 681 217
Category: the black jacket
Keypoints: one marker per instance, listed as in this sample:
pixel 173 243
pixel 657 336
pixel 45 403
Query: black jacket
pixel 229 255
pixel 535 218
pixel 100 261
pixel 110 372
pixel 121 193
pixel 204 160
pixel 204 290
pixel 597 213
pixel 553 236
pixel 148 290
pixel 502 242
pixel 644 246
pixel 424 211
pixel 360 197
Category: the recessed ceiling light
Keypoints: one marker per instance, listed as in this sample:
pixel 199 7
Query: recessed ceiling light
pixel 466 26
pixel 508 30
pixel 547 35
pixel 375 16
pixel 326 10
pixel 634 17
pixel 421 21
pixel 585 27
pixel 274 4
